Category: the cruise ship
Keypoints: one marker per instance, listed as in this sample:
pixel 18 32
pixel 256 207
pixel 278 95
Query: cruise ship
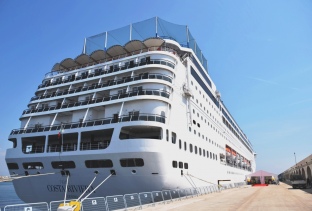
pixel 138 104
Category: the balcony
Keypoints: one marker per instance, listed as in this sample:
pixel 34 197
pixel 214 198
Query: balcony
pixel 100 100
pixel 112 68
pixel 106 84
pixel 91 123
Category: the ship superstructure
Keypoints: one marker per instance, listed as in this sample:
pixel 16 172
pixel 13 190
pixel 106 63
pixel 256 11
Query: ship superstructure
pixel 138 103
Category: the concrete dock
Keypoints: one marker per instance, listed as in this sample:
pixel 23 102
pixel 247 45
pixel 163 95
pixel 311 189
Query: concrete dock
pixel 268 198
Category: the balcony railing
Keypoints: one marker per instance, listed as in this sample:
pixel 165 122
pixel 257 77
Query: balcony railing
pixel 100 100
pixel 112 68
pixel 64 148
pixel 108 83
pixel 94 146
pixel 90 123
pixel 36 149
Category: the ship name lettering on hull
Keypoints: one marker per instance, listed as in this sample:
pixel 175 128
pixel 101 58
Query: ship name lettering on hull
pixel 70 188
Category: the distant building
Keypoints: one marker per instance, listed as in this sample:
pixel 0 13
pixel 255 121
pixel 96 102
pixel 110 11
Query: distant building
pixel 303 168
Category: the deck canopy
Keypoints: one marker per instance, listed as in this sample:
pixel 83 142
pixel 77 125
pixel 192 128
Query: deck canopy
pixel 153 42
pixel 134 45
pixel 83 59
pixel 116 50
pixel 65 65
pixel 132 38
pixel 98 55
pixel 57 67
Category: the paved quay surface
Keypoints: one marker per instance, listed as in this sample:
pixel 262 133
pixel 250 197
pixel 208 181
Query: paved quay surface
pixel 268 198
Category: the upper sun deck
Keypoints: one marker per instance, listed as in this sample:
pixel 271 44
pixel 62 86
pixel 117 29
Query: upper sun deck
pixel 130 40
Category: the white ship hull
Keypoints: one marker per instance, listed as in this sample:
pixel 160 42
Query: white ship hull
pixel 157 125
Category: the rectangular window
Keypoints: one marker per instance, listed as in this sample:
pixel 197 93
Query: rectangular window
pixel 181 165
pixel 167 135
pixel 200 151
pixel 132 162
pixel 180 144
pixel 191 148
pixel 63 164
pixel 140 132
pixel 33 165
pixel 99 163
pixel 173 137
pixel 185 146
pixel 12 166
pixel 186 165
pixel 174 164
pixel 195 149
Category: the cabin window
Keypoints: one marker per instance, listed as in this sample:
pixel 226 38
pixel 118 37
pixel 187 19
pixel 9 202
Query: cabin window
pixel 62 141
pixel 63 164
pixel 33 165
pixel 191 148
pixel 132 162
pixel 185 146
pixel 99 163
pixel 173 137
pixel 180 144
pixel 186 165
pixel 181 165
pixel 140 132
pixel 195 149
pixel 174 164
pixel 96 139
pixel 12 166
pixel 35 144
pixel 167 135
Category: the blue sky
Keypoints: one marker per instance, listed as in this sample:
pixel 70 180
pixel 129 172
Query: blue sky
pixel 259 55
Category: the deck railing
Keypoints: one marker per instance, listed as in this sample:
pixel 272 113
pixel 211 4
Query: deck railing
pixel 100 100
pixel 112 68
pixel 106 84
pixel 90 123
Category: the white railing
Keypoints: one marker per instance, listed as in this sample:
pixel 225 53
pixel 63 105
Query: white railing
pixel 129 201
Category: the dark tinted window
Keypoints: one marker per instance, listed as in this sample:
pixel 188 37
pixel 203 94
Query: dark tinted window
pixel 99 163
pixel 174 164
pixel 12 166
pixel 33 165
pixel 63 164
pixel 181 165
pixel 186 165
pixel 132 162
